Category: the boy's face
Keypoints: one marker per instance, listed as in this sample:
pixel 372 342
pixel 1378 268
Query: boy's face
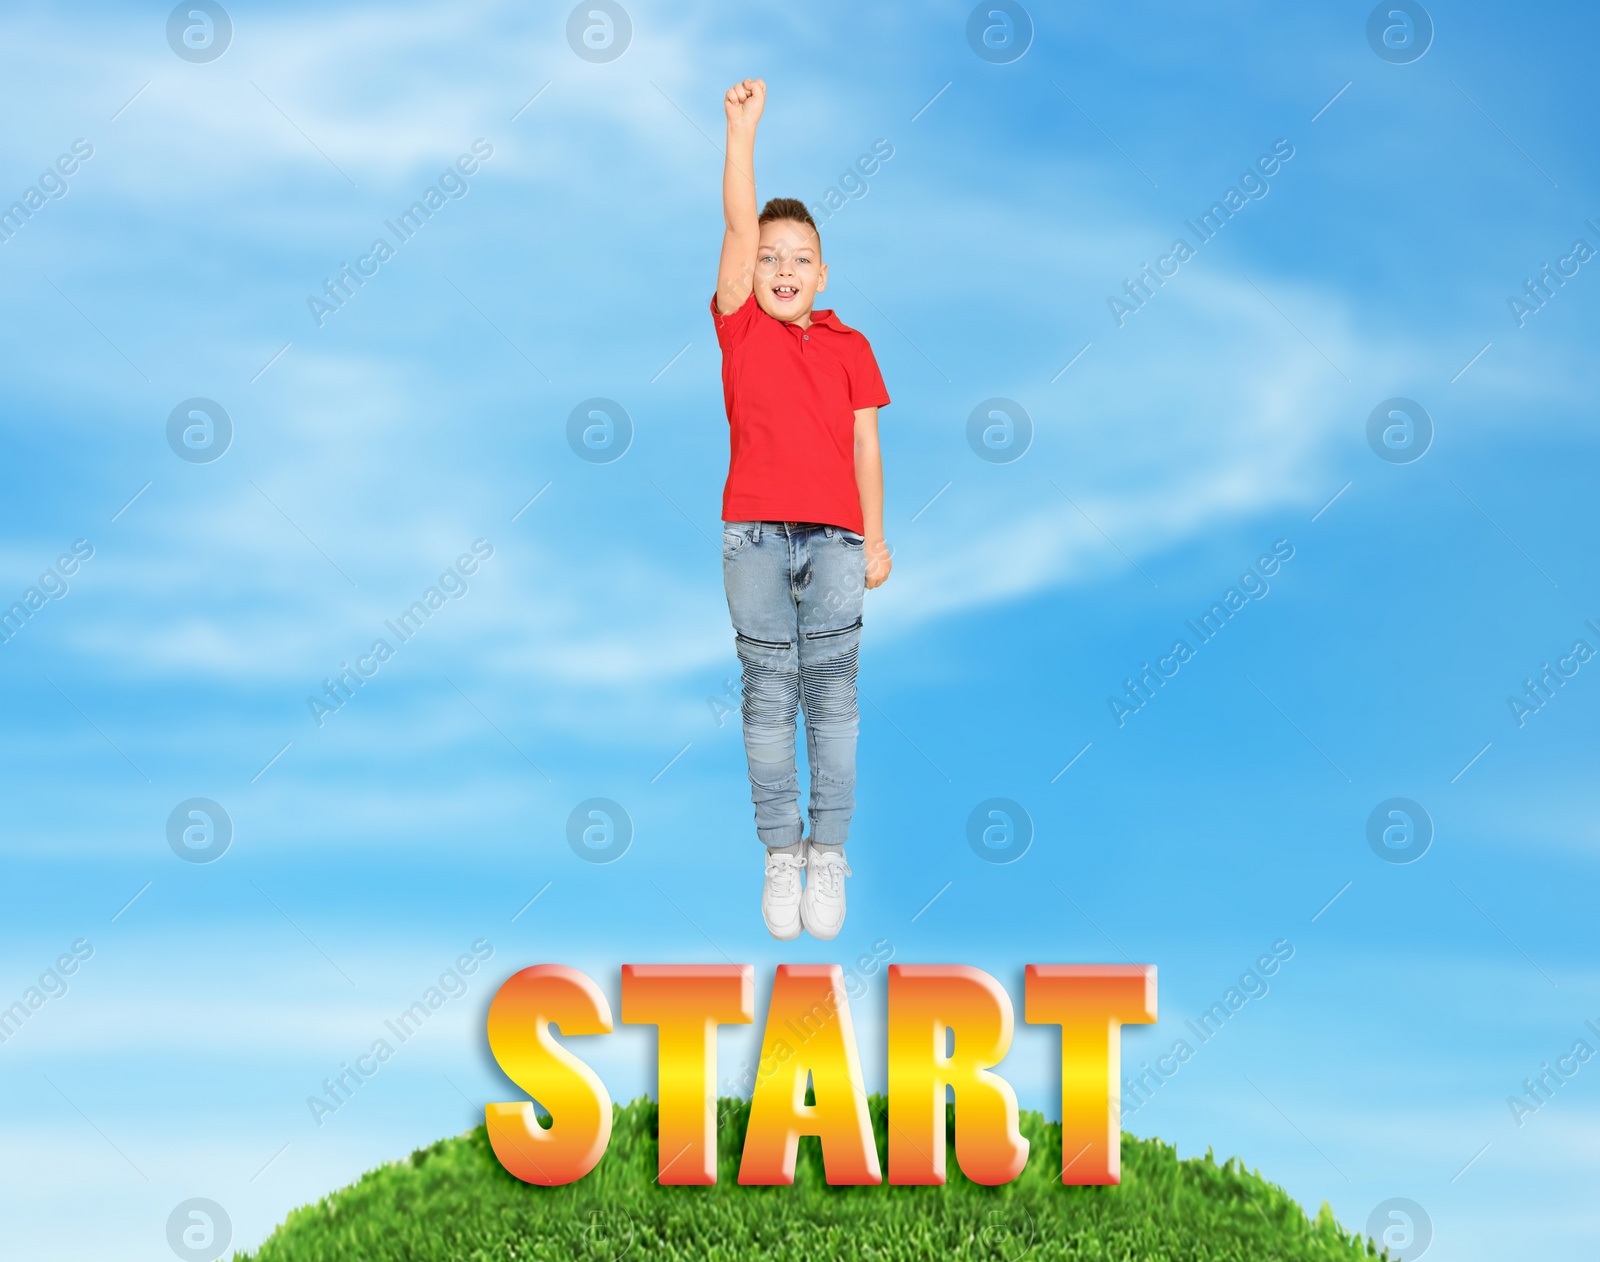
pixel 790 272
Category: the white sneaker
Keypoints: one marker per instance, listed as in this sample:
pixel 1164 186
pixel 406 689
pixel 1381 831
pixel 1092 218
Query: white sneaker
pixel 822 905
pixel 780 896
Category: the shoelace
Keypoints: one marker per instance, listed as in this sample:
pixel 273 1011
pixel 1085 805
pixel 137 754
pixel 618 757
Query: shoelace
pixel 783 871
pixel 830 870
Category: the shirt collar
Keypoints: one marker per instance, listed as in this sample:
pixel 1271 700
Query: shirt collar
pixel 827 319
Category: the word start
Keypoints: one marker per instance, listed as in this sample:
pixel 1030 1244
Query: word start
pixel 949 1025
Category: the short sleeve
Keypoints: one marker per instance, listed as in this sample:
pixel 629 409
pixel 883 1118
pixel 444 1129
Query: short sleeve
pixel 732 328
pixel 866 382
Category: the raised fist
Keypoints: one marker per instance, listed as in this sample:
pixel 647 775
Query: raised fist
pixel 744 102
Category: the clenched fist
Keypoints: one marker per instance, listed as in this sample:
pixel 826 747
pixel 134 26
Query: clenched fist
pixel 879 563
pixel 744 102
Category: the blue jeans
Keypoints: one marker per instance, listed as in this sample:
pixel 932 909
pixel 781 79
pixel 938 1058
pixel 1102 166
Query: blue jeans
pixel 794 594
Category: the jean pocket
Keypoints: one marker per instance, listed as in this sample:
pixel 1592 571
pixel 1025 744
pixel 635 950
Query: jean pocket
pixel 734 538
pixel 851 539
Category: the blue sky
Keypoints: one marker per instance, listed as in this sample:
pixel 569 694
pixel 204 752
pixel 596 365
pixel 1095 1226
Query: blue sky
pixel 587 654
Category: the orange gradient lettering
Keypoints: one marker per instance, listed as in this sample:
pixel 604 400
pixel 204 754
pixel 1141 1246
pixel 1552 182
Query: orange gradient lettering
pixel 520 1017
pixel 949 1028
pixel 809 1032
pixel 686 1003
pixel 1091 1003
pixel 926 1001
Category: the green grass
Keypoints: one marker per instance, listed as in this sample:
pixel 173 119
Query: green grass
pixel 452 1202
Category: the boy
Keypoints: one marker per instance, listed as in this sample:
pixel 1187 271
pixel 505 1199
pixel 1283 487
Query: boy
pixel 802 525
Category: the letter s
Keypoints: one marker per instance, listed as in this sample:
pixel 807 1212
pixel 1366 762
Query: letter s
pixel 520 1016
pixel 83 149
pixel 483 149
pixel 883 149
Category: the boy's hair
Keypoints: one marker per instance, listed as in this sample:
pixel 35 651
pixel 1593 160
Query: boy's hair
pixel 788 208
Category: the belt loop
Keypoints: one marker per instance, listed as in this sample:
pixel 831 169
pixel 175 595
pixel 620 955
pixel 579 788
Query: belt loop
pixel 756 537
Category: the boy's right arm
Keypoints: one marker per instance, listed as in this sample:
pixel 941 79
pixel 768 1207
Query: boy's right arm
pixel 736 269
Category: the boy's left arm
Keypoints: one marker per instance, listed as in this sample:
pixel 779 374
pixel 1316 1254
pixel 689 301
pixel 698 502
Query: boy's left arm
pixel 869 484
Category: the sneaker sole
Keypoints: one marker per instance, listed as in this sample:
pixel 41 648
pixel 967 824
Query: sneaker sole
pixel 820 934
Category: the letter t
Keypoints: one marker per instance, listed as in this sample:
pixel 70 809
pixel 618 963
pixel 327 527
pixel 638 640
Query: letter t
pixel 1091 1003
pixel 686 1003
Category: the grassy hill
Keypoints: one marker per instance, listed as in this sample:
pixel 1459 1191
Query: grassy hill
pixel 452 1202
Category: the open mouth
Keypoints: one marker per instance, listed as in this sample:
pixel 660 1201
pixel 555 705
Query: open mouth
pixel 785 293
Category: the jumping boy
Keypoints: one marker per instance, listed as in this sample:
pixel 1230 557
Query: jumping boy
pixel 802 525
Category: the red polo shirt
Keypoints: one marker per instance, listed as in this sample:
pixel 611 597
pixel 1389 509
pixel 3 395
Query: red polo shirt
pixel 791 395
